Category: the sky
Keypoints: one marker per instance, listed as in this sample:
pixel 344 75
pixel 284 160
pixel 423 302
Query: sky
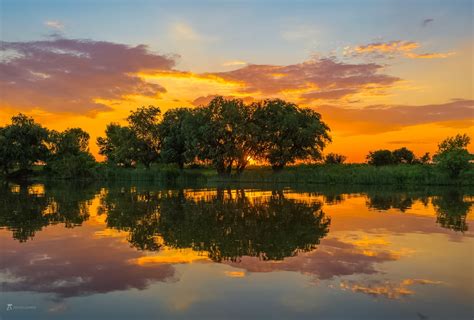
pixel 383 74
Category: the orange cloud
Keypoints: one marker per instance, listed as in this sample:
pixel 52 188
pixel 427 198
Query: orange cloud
pixel 324 78
pixel 391 49
pixel 383 118
pixel 386 289
pixel 387 47
pixel 429 55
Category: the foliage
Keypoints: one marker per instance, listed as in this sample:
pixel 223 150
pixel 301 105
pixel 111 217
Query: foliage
pixel 453 156
pixel 70 156
pixel 403 155
pixel 144 124
pixel 424 159
pixel 334 158
pixel 287 133
pixel 22 143
pixel 175 131
pixel 380 158
pixel 223 134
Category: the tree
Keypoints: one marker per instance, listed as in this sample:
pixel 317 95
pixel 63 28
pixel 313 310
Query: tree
pixel 174 131
pixel 119 146
pixel 380 158
pixel 137 143
pixel 22 143
pixel 452 155
pixel 334 158
pixel 287 133
pixel 223 134
pixel 403 155
pixel 425 159
pixel 144 122
pixel 70 156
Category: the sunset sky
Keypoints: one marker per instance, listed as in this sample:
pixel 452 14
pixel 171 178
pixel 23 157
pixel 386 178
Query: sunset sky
pixel 382 74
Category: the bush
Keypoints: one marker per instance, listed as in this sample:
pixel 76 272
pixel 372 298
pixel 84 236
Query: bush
pixel 380 158
pixel 334 158
pixel 453 156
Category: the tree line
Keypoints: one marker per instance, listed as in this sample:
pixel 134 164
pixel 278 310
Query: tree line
pixel 225 133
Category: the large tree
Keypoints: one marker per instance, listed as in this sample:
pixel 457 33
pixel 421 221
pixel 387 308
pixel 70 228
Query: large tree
pixel 287 133
pixel 136 143
pixel 22 143
pixel 223 134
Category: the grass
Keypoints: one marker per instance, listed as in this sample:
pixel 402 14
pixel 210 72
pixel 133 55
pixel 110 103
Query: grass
pixel 358 174
pixel 362 174
pixel 347 174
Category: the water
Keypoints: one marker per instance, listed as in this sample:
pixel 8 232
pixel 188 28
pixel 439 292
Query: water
pixel 252 252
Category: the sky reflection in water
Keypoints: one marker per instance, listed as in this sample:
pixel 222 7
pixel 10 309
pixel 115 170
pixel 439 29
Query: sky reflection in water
pixel 117 252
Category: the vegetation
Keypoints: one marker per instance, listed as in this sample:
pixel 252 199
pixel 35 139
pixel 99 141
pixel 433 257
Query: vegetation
pixel 69 154
pixel 334 158
pixel 453 156
pixel 22 143
pixel 226 135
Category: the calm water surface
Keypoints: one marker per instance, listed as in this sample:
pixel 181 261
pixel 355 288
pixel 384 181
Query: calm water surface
pixel 146 252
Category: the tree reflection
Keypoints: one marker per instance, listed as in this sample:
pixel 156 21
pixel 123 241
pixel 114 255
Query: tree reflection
pixel 385 201
pixel 452 210
pixel 26 209
pixel 227 224
pixel 450 205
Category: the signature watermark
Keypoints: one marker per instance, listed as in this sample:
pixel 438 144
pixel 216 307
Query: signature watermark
pixel 12 307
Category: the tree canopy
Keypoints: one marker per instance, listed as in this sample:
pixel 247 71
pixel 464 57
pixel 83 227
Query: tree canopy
pixel 453 156
pixel 22 143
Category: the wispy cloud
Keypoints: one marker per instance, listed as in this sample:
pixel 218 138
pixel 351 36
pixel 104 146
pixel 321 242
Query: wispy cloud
pixel 182 31
pixel 392 49
pixel 234 63
pixel 435 55
pixel 387 47
pixel 54 24
pixel 386 289
pixel 384 118
pixel 301 32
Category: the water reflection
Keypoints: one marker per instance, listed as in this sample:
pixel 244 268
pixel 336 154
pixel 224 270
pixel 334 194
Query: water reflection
pixel 132 237
pixel 450 205
pixel 26 209
pixel 227 224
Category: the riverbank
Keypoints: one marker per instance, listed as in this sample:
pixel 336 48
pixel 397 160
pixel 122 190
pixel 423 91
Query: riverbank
pixel 345 174
pixel 303 174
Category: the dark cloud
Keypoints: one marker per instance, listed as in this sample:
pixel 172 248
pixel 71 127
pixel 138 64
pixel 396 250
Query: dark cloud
pixel 426 22
pixel 317 78
pixel 67 75
pixel 382 118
